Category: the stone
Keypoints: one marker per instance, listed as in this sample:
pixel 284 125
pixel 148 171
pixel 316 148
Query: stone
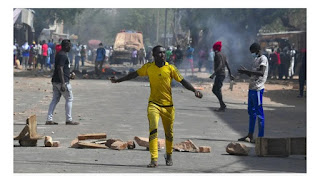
pixel 56 143
pixel 204 149
pixel 131 145
pixel 186 146
pixel 118 145
pixel 142 141
pixel 111 141
pixel 235 148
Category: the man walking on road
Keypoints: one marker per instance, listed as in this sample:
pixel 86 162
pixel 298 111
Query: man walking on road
pixel 160 74
pixel 258 76
pixel 220 62
pixel 100 58
pixel 61 84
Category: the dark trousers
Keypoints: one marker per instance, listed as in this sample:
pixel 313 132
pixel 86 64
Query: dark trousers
pixel 76 63
pixel 98 67
pixel 216 89
pixel 302 81
pixel 82 60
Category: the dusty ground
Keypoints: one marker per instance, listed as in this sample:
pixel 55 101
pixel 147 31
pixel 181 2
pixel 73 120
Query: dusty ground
pixel 120 111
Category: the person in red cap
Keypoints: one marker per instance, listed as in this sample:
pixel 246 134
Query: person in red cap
pixel 220 62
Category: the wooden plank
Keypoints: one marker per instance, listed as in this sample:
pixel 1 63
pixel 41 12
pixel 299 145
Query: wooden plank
pixel 92 136
pixel 32 122
pixel 298 146
pixel 23 133
pixel 74 143
pixel 48 141
pixel 82 144
pixel 27 142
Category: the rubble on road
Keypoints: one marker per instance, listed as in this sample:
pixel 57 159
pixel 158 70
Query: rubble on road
pixel 144 142
pixel 111 141
pixel 28 136
pixel 131 145
pixel 186 146
pixel 92 136
pixel 204 149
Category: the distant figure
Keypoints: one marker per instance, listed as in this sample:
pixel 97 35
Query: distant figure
pixel 202 58
pixel 149 55
pixel 134 57
pixel 220 62
pixel 258 76
pixel 141 56
pixel 39 54
pixel 189 56
pixel 292 55
pixel 25 55
pixel 179 57
pixel 168 54
pixel 83 54
pixel 303 72
pixel 49 58
pixel 210 61
pixel 100 58
pixel 77 57
pixel 44 54
pixel 273 64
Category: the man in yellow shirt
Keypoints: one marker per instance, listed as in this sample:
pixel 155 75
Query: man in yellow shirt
pixel 160 74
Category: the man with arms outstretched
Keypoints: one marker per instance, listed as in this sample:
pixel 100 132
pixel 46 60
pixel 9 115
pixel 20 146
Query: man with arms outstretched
pixel 160 74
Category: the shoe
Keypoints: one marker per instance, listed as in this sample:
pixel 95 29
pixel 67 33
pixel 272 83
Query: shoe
pixel 168 159
pixel 220 109
pixel 300 96
pixel 51 123
pixel 153 164
pixel 72 123
pixel 246 139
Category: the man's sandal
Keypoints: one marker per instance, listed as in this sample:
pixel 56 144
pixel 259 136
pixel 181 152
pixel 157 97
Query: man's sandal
pixel 153 164
pixel 246 139
pixel 168 159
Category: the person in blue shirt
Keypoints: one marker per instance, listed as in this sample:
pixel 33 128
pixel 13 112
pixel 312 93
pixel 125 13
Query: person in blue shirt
pixel 100 58
pixel 189 56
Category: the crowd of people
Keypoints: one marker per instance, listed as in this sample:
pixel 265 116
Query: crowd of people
pixel 284 61
pixel 36 55
pixel 41 56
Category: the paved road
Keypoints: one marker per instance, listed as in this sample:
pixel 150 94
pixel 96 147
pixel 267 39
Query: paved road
pixel 120 111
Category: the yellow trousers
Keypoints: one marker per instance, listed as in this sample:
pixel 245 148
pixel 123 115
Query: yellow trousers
pixel 167 116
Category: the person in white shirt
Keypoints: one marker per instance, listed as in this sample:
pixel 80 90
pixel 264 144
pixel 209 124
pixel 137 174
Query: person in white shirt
pixel 258 76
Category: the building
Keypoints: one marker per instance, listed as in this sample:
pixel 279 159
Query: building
pixel 23 25
pixel 283 39
pixel 54 32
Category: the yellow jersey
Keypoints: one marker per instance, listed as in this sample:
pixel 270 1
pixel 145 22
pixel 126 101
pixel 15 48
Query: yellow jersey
pixel 160 81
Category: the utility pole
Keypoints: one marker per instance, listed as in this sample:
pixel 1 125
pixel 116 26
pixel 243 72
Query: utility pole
pixel 165 27
pixel 157 36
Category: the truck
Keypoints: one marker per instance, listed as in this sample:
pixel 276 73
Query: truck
pixel 125 42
